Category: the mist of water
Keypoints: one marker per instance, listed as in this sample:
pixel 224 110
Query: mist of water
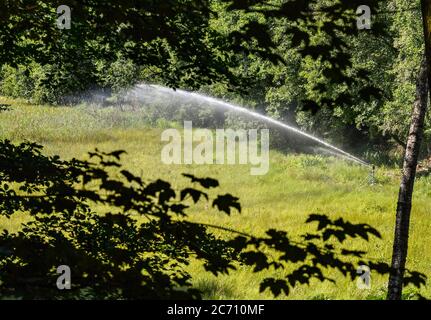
pixel 146 91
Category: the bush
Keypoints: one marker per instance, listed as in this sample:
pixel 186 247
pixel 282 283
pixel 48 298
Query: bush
pixel 65 82
pixel 15 82
pixel 118 76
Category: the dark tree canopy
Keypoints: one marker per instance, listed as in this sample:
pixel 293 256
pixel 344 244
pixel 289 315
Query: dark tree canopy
pixel 176 38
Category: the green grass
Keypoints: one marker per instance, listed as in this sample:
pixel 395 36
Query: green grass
pixel 295 186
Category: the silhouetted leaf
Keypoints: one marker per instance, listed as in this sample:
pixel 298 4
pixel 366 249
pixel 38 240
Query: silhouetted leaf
pixel 195 194
pixel 275 285
pixel 226 202
pixel 204 182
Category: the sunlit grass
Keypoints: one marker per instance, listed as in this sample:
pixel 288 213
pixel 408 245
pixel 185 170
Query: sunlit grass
pixel 295 186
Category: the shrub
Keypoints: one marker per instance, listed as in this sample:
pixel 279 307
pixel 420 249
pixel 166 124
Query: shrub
pixel 16 82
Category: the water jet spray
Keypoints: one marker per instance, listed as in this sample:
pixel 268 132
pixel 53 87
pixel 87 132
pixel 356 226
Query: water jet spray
pixel 143 90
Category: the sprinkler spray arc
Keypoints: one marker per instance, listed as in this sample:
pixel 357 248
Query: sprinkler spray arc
pixel 214 101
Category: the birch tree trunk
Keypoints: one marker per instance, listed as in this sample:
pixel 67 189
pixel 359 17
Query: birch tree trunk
pixel 404 205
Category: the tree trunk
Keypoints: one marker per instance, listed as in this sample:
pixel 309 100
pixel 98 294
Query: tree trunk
pixel 404 204
pixel 399 253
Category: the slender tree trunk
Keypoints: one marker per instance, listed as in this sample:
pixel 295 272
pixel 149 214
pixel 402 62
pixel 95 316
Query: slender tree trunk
pixel 399 254
pixel 404 204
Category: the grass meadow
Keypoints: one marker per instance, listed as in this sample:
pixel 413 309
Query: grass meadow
pixel 295 186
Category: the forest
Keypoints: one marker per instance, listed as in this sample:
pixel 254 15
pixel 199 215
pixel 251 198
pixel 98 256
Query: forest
pixel 99 198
